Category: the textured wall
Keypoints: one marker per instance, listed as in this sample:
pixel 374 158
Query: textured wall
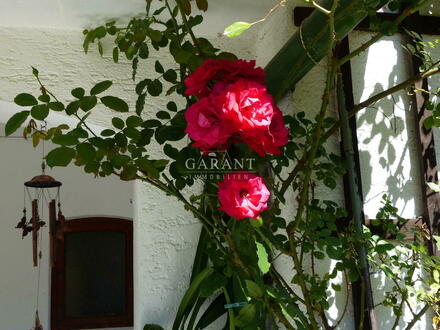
pixel 165 234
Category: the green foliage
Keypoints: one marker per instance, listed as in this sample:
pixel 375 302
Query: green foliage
pixel 236 29
pixel 15 122
pixel 235 260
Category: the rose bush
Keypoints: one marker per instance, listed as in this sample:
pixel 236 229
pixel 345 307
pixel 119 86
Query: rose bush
pixel 225 105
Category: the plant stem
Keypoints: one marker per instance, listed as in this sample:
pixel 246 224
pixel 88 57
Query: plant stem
pixel 190 31
pixel 283 283
pixel 279 313
pixel 417 317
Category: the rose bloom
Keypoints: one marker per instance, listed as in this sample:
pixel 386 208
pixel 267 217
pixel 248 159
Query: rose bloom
pixel 243 195
pixel 268 141
pixel 205 125
pixel 247 105
pixel 213 71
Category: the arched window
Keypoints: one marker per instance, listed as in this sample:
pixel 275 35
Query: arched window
pixel 92 276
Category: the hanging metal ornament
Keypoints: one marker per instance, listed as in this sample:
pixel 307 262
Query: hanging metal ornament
pixel 41 190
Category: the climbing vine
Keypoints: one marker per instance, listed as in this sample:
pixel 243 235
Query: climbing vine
pixel 222 122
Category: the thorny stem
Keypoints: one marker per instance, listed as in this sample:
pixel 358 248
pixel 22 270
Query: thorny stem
pixel 417 317
pixel 283 282
pixel 179 39
pixel 279 313
pixel 347 297
pixel 190 31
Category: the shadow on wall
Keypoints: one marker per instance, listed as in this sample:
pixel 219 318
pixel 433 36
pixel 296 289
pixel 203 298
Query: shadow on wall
pixel 386 130
pixel 387 145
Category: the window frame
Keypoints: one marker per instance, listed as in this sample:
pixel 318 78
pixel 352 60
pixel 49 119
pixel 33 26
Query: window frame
pixel 59 321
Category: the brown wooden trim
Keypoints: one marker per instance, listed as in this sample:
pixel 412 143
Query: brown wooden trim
pixel 421 24
pixel 58 320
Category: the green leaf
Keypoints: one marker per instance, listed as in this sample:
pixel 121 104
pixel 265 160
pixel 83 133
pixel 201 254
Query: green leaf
pixel 168 133
pixel 336 287
pixel 171 151
pixel 246 315
pixel 134 121
pixel 115 103
pixel 65 140
pixel 118 123
pixel 86 152
pixel 144 51
pixel 170 75
pixel 92 167
pixel 158 67
pixel 128 173
pixel 190 296
pixel 172 106
pixel 429 122
pixel 212 283
pixel 236 29
pixel 253 289
pixel 56 106
pixel 15 122
pixel 25 100
pixel 115 54
pixel 163 115
pixel 44 98
pixel 100 87
pixel 263 258
pixel 155 35
pixel 88 103
pixel 40 111
pixel 152 123
pixel 155 87
pixel 78 92
pixel 72 108
pixel 108 132
pixel 61 156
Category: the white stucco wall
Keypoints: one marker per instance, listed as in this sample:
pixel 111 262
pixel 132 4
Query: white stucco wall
pixel 81 196
pixel 165 235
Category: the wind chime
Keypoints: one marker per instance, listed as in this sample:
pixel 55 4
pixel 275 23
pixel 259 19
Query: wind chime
pixel 40 192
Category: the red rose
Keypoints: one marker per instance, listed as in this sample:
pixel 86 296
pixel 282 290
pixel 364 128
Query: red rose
pixel 243 195
pixel 244 69
pixel 212 71
pixel 205 125
pixel 247 105
pixel 196 83
pixel 268 141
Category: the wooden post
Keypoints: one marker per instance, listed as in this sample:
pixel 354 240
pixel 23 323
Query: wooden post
pixel 35 226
